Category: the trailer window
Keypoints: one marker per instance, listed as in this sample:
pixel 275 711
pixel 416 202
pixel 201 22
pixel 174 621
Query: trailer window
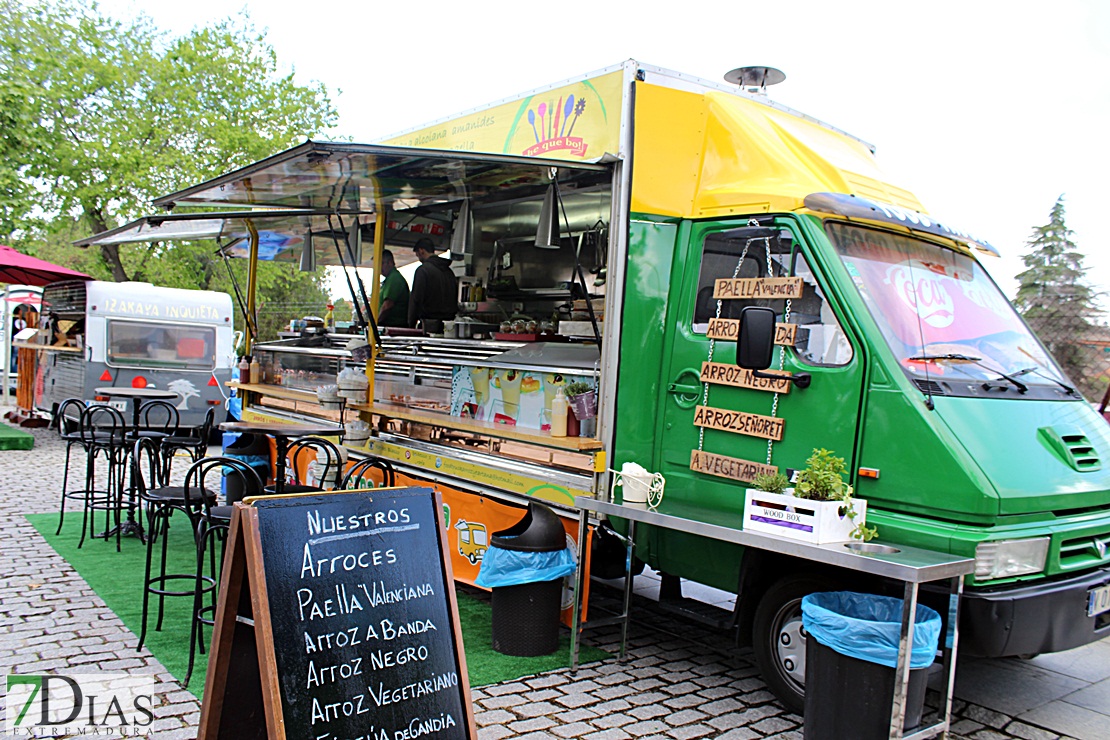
pixel 152 345
pixel 819 339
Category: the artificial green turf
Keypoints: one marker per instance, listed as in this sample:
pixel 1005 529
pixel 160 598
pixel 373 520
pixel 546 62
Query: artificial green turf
pixel 15 439
pixel 117 579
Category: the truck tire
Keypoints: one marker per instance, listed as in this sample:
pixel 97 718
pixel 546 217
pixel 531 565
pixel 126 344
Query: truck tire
pixel 778 640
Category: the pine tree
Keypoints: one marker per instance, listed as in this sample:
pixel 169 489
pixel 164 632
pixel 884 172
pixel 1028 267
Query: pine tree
pixel 1054 300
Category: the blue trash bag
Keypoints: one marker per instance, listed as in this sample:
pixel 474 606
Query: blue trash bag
pixel 868 627
pixel 501 567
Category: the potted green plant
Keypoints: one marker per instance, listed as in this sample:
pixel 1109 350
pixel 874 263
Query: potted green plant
pixel 820 508
pixel 771 483
pixel 582 398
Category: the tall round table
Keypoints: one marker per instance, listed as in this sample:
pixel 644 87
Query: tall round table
pixel 281 434
pixel 137 397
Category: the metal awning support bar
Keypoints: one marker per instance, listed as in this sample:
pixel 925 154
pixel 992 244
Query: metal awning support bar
pixel 252 287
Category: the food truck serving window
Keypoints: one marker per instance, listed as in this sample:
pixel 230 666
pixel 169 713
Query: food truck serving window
pixel 154 345
pixel 940 312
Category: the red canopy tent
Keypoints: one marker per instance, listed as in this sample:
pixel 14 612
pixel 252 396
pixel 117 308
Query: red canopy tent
pixel 16 267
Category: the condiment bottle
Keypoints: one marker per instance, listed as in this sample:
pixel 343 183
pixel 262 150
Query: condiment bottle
pixel 559 408
pixel 329 317
pixel 256 370
pixel 245 369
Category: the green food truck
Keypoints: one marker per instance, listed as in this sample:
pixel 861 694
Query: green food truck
pixel 670 204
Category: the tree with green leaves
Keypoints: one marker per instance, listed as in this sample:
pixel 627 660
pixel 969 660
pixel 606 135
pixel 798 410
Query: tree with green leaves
pixel 1056 303
pixel 99 116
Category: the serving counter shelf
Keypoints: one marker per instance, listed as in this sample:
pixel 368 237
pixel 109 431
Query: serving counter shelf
pixel 484 428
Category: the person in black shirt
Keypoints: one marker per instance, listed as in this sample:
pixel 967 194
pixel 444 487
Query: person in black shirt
pixel 434 295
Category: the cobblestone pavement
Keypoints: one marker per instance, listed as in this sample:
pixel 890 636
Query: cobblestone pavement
pixel 679 682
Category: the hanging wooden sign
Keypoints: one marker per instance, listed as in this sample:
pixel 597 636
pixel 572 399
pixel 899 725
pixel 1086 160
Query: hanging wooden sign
pixel 732 468
pixel 337 619
pixel 767 288
pixel 729 329
pixel 721 373
pixel 739 422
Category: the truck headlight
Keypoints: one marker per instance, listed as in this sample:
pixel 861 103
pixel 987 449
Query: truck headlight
pixel 1005 558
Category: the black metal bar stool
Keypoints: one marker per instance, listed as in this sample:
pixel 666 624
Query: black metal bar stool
pixel 67 420
pixel 103 435
pixel 317 455
pixel 212 527
pixel 161 501
pixel 358 472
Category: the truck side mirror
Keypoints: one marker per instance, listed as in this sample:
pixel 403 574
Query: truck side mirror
pixel 755 345
pixel 755 342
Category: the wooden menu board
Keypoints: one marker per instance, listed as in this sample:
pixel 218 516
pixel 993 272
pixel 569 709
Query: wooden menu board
pixel 337 619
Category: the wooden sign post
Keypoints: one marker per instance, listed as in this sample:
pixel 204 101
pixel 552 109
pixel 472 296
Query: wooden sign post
pixel 337 620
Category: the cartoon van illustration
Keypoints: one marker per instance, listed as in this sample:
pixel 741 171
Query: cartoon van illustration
pixel 473 540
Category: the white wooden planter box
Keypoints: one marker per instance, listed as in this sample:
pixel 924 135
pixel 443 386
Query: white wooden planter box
pixel 800 519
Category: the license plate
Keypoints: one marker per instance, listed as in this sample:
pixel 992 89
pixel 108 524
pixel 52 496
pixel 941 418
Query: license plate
pixel 118 405
pixel 1098 600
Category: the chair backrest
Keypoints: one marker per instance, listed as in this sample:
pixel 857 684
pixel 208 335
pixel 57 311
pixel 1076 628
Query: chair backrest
pixel 67 420
pixel 204 475
pixel 159 416
pixel 148 469
pixel 328 460
pixel 358 471
pixel 102 425
pixel 204 432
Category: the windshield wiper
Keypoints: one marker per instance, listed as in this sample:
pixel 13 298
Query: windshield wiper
pixel 1021 387
pixel 952 357
pixel 1035 369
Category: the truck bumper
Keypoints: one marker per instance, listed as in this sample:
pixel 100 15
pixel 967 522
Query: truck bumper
pixel 1026 620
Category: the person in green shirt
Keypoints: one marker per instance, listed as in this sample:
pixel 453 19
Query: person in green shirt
pixel 394 295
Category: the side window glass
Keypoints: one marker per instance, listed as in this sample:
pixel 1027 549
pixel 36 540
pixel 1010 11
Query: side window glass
pixel 759 253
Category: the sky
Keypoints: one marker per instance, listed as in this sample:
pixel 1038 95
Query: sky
pixel 988 111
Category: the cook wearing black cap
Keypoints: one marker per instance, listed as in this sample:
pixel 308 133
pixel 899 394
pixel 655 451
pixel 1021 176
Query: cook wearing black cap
pixel 434 295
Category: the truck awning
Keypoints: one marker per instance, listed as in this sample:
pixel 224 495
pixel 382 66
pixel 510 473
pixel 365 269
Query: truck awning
pixel 325 188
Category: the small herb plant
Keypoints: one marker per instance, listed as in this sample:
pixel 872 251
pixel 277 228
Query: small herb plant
pixel 822 480
pixel 771 482
pixel 577 388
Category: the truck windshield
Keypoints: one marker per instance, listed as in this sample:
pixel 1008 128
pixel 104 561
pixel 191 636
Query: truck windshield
pixel 942 315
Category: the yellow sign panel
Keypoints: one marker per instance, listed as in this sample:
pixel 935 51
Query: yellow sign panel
pixel 729 330
pixel 578 122
pixel 732 468
pixel 788 287
pixel 739 422
pixel 723 374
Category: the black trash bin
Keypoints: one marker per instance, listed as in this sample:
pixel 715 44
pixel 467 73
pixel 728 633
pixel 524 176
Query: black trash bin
pixel 526 616
pixel 254 450
pixel 851 653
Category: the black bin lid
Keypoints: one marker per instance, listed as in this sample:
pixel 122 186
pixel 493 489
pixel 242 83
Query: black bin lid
pixel 540 530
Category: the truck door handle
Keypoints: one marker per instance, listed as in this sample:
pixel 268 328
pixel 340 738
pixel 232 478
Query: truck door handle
pixel 686 393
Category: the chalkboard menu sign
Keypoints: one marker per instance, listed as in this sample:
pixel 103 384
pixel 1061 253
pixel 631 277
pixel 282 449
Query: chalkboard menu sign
pixel 353 611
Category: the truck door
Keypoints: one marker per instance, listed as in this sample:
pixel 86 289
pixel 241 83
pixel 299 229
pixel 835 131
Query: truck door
pixel 704 465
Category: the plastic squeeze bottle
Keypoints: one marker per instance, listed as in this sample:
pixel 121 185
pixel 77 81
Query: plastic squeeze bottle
pixel 329 317
pixel 559 407
pixel 256 370
pixel 245 369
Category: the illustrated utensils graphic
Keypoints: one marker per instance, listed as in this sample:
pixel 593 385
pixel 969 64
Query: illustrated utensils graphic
pixel 532 120
pixel 567 108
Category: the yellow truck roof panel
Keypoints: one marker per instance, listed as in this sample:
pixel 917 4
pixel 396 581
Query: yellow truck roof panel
pixel 700 155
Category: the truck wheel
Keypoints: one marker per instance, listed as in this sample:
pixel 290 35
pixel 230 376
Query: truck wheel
pixel 778 640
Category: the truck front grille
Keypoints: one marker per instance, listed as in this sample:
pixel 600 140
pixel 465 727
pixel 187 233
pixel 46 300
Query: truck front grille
pixel 1085 552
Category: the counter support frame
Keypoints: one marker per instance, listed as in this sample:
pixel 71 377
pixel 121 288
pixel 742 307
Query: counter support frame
pixel 911 566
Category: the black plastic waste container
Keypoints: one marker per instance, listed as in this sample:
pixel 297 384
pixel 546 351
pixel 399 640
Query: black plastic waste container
pixel 526 616
pixel 851 652
pixel 254 450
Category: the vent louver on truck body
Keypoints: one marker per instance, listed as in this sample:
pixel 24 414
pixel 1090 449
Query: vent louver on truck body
pixel 1073 447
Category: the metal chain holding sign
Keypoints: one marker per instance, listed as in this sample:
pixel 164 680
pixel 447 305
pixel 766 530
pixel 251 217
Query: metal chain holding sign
pixel 713 342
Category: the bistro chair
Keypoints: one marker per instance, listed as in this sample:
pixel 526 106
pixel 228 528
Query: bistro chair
pixel 157 420
pixel 195 442
pixel 103 435
pixel 67 420
pixel 357 473
pixel 321 460
pixel 212 525
pixel 161 502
